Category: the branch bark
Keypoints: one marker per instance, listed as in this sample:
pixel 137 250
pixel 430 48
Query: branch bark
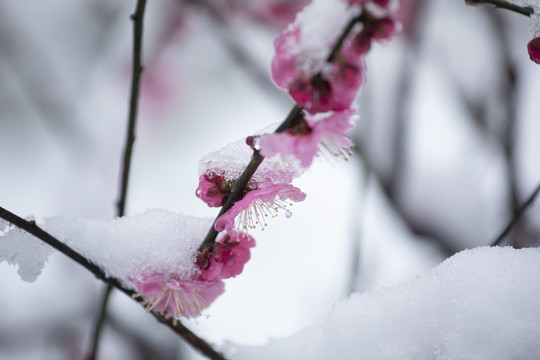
pixel 519 213
pixel 501 4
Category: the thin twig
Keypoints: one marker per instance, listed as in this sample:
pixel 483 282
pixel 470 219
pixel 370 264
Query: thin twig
pixel 137 17
pixel 137 69
pixel 32 228
pixel 501 4
pixel 230 41
pixel 517 216
pixel 100 320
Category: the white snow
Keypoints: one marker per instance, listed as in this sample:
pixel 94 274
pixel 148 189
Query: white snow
pixel 234 157
pixel 158 241
pixel 479 304
pixel 317 36
pixel 19 248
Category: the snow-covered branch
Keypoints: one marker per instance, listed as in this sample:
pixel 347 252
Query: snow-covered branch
pixel 71 229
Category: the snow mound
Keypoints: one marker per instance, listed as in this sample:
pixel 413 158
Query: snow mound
pixel 128 248
pixel 480 304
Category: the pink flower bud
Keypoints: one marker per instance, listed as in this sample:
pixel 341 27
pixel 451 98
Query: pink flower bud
pixel 534 49
pixel 381 29
pixel 382 3
pixel 361 43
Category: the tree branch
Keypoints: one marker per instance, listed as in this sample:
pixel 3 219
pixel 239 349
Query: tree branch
pixel 137 17
pixel 501 4
pixel 32 228
pixel 516 217
pixel 137 69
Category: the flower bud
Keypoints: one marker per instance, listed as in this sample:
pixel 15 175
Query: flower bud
pixel 534 49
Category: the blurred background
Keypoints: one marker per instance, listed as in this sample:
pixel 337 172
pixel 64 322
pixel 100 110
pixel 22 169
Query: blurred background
pixel 446 151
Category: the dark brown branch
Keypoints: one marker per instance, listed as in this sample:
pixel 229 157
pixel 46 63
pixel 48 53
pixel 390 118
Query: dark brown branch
pixel 519 213
pixel 32 228
pixel 339 43
pixel 501 4
pixel 137 69
pixel 190 337
pixel 99 322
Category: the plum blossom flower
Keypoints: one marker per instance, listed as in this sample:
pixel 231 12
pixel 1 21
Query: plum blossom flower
pixel 227 257
pixel 213 188
pixel 317 86
pixel 252 211
pixel 534 49
pixel 178 298
pixel 219 170
pixel 304 140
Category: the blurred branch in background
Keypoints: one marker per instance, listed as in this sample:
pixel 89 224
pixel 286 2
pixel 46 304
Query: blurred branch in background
pixel 501 4
pixel 517 216
pixel 138 21
pixel 393 182
pixel 41 90
pixel 231 41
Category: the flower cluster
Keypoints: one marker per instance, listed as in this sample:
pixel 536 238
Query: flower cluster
pixel 323 76
pixel 322 69
pixel 325 83
pixel 321 81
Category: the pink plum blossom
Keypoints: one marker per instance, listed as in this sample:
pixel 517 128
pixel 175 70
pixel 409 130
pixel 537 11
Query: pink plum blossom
pixel 227 257
pixel 219 171
pixel 252 211
pixel 534 49
pixel 305 140
pixel 178 298
pixel 317 88
pixel 213 188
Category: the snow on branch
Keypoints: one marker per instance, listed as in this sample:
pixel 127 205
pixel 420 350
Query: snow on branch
pixel 19 248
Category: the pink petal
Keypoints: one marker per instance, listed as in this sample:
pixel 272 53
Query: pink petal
pixel 265 195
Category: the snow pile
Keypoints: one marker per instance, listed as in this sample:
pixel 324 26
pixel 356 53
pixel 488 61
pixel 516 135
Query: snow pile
pixel 23 250
pixel 481 304
pixel 158 241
